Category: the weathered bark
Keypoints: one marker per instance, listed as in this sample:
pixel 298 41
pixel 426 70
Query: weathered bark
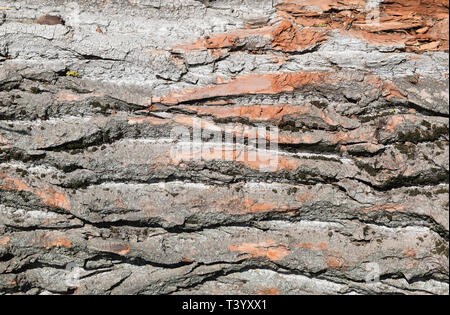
pixel 91 91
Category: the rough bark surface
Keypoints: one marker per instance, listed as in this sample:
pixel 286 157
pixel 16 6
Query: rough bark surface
pixel 90 92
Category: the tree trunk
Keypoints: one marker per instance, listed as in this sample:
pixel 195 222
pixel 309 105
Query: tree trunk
pixel 224 147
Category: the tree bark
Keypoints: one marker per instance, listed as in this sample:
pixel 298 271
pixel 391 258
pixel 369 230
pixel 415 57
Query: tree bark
pixel 102 190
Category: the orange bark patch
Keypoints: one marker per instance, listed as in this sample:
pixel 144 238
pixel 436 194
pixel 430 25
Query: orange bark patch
pixel 10 183
pixel 263 249
pixel 389 89
pixel 50 241
pixel 303 198
pixel 254 206
pixel 53 198
pixel 335 262
pixel 269 161
pixel 296 139
pixel 253 160
pixel 410 252
pixel 288 82
pixel 116 248
pixel 4 240
pixel 217 41
pixel 289 38
pixel 396 120
pixel 249 84
pixel 252 113
pixel 11 283
pixel 359 135
pixel 186 260
pixel 269 291
pixel 49 197
pixel 392 91
pixel 125 250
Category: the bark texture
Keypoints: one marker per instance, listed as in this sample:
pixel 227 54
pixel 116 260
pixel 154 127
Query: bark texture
pixel 93 202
